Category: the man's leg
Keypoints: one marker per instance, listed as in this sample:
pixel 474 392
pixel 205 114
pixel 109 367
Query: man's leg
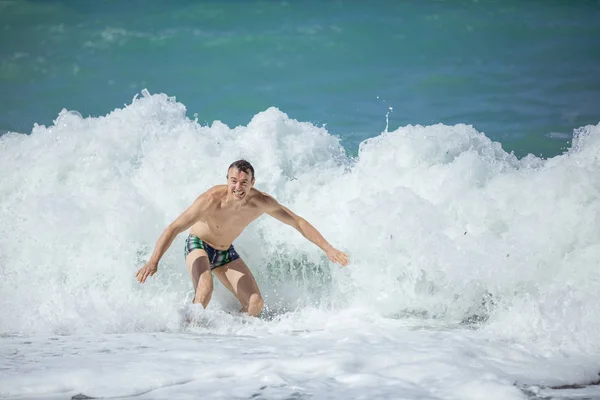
pixel 239 280
pixel 199 266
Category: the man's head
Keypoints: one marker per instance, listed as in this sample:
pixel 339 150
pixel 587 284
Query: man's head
pixel 240 179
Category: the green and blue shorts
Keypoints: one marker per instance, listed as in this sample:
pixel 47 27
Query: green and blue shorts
pixel 216 257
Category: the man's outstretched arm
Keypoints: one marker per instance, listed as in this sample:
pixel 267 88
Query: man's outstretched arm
pixel 286 216
pixel 183 222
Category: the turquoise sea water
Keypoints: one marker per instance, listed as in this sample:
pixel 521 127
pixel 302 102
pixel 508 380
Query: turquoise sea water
pixel 525 73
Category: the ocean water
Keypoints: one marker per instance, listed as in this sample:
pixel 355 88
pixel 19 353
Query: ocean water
pixel 450 148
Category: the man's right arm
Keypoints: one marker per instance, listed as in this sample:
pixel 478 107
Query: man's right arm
pixel 183 222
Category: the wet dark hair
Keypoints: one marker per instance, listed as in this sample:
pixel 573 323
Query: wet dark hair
pixel 241 165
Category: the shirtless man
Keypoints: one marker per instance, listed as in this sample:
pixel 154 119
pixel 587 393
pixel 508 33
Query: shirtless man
pixel 216 218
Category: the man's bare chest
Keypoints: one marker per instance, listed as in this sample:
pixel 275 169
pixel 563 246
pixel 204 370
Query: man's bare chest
pixel 227 220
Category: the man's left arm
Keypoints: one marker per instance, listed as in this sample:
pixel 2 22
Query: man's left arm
pixel 286 216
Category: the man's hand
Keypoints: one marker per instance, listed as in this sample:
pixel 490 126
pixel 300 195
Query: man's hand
pixel 147 270
pixel 337 256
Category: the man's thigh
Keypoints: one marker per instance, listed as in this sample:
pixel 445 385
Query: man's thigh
pixel 198 265
pixel 236 277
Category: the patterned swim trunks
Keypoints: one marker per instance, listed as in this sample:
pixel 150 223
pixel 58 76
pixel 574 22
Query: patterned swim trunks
pixel 216 257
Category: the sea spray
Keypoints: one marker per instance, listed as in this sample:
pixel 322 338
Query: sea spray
pixel 439 221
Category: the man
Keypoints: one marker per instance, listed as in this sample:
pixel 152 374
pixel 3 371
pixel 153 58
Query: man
pixel 216 218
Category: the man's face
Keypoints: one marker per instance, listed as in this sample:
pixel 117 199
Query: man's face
pixel 239 183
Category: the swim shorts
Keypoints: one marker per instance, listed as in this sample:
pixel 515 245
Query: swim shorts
pixel 216 257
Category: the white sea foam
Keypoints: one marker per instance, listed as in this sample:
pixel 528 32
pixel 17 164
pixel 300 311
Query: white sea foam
pixel 446 233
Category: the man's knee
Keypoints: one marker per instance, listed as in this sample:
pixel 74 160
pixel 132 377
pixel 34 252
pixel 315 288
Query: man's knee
pixel 204 291
pixel 255 304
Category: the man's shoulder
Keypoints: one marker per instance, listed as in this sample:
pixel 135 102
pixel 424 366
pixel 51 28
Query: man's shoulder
pixel 262 199
pixel 217 190
pixel 212 195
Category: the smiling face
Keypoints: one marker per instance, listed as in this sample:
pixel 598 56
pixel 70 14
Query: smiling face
pixel 239 183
